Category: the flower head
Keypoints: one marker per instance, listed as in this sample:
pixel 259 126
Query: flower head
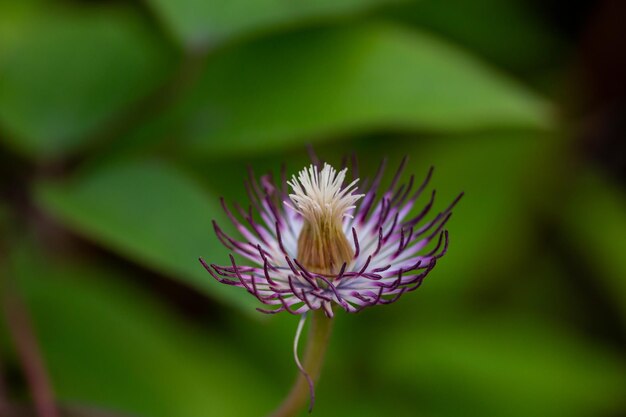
pixel 328 244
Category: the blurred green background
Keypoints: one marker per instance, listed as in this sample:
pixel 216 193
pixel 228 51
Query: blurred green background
pixel 122 122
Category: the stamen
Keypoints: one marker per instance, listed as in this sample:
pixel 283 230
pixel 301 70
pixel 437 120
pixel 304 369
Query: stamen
pixel 319 194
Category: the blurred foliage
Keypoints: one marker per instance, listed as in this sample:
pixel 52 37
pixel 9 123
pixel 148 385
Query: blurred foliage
pixel 66 72
pixel 595 217
pixel 200 24
pixel 123 122
pixel 333 81
pixel 129 208
pixel 524 368
pixel 530 43
pixel 96 329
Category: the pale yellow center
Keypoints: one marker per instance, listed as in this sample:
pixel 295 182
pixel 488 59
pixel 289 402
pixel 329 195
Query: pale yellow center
pixel 322 200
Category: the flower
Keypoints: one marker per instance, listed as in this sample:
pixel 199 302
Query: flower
pixel 327 244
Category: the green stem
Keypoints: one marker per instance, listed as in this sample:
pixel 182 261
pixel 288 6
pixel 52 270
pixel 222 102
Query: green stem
pixel 317 342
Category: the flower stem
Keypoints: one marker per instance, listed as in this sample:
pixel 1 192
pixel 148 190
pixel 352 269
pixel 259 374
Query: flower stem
pixel 317 342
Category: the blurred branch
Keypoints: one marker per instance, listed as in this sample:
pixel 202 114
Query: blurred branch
pixel 67 411
pixel 21 330
pixel 4 393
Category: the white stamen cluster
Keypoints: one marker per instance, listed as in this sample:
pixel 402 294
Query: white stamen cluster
pixel 318 194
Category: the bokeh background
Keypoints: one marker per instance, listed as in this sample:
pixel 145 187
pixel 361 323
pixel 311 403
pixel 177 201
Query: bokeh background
pixel 122 122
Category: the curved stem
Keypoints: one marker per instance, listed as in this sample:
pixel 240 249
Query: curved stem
pixel 21 329
pixel 317 342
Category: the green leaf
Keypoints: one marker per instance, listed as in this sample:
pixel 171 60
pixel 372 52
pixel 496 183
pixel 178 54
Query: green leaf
pixel 501 366
pixel 149 212
pixel 530 44
pixel 67 73
pixel 340 81
pixel 594 219
pixel 109 344
pixel 200 23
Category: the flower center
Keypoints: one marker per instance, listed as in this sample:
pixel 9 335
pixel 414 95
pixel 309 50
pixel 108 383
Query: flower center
pixel 319 197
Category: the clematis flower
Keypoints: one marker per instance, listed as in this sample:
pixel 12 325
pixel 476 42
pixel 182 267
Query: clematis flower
pixel 324 244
